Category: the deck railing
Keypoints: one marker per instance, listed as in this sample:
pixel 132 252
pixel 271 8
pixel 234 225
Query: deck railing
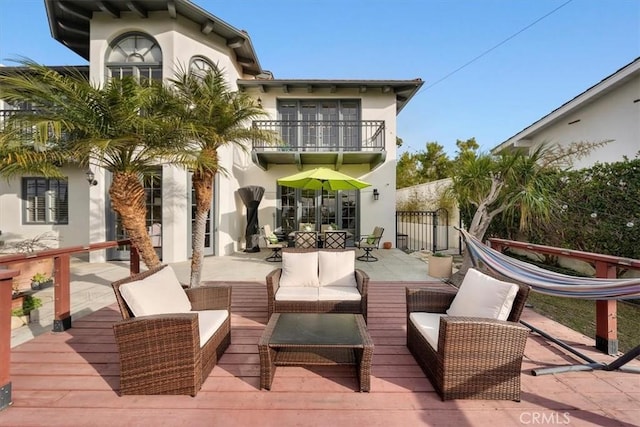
pixel 606 267
pixel 61 295
pixel 322 136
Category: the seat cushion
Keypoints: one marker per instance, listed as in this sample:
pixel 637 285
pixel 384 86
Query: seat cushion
pixel 337 268
pixel 339 293
pixel 428 324
pixel 483 296
pixel 159 293
pixel 209 321
pixel 297 294
pixel 299 269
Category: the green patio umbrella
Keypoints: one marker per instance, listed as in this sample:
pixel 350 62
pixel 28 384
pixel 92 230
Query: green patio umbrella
pixel 323 178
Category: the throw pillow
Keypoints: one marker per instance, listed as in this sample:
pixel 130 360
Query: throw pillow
pixel 159 293
pixel 483 296
pixel 299 269
pixel 371 240
pixel 272 238
pixel 337 268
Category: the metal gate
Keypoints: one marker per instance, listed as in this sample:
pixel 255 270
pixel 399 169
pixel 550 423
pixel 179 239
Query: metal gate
pixel 422 230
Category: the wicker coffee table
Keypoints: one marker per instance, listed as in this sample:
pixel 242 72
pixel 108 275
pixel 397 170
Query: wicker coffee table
pixel 315 339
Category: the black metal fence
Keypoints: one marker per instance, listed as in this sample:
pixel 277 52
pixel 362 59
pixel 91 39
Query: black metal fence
pixel 422 230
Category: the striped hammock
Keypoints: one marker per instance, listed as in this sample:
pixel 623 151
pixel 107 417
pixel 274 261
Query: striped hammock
pixel 550 282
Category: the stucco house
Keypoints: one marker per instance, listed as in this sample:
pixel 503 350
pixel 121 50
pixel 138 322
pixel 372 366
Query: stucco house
pixel 348 125
pixel 609 110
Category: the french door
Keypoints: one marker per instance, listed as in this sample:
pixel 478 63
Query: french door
pixel 319 207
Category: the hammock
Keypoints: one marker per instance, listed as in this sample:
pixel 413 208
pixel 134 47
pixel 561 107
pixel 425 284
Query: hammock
pixel 550 282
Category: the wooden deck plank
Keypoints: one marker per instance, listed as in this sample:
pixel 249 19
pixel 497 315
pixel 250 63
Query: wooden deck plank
pixel 72 378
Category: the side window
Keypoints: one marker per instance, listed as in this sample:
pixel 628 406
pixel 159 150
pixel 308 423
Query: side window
pixel 45 201
pixel 135 55
pixel 200 66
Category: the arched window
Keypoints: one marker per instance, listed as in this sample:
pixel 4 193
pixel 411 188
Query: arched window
pixel 135 55
pixel 199 66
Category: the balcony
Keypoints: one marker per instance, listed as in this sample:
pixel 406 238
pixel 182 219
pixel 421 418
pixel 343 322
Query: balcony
pixel 336 143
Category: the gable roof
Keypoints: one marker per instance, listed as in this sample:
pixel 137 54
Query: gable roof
pixel 69 22
pixel 601 88
pixel 403 89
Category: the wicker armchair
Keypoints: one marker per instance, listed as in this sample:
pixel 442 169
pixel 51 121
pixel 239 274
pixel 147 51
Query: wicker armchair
pixel 476 358
pixel 162 353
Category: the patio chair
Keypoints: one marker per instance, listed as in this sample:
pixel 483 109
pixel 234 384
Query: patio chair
pixel 170 338
pixel 468 341
pixel 306 239
pixel 335 239
pixel 369 243
pixel 272 242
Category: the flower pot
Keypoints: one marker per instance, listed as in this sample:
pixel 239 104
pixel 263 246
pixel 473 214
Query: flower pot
pixel 440 266
pixel 386 245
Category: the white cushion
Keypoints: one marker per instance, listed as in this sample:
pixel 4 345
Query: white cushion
pixel 339 293
pixel 428 324
pixel 337 268
pixel 297 294
pixel 159 293
pixel 299 269
pixel 483 296
pixel 209 321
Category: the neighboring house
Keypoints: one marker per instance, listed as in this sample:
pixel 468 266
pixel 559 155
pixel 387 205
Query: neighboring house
pixel 349 125
pixel 609 110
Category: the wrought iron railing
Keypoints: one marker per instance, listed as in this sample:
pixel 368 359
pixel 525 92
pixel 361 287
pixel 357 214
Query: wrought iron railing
pixel 322 136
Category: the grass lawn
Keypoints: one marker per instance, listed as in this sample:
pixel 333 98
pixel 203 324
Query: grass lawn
pixel 580 315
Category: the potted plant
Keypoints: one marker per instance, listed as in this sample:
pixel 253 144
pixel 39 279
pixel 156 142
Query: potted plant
pixel 20 315
pixel 440 265
pixel 40 280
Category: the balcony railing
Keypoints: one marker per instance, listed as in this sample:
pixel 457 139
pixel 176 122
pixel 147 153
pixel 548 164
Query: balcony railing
pixel 322 136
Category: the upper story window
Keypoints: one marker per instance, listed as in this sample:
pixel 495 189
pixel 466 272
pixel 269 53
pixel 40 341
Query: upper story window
pixel 135 55
pixel 200 66
pixel 45 201
pixel 320 125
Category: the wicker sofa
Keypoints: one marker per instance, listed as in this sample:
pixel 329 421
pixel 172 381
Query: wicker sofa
pixel 173 342
pixel 317 281
pixel 468 357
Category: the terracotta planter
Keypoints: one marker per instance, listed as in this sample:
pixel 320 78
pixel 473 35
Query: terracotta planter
pixel 440 266
pixel 386 245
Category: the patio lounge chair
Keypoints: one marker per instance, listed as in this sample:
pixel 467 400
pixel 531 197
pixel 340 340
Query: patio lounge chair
pixel 369 243
pixel 170 338
pixel 271 242
pixel 469 343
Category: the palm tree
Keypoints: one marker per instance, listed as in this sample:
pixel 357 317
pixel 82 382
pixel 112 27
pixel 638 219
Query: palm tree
pixel 124 126
pixel 215 116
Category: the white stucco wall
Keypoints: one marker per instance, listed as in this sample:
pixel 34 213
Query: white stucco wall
pixel 73 234
pixel 613 116
pixel 373 213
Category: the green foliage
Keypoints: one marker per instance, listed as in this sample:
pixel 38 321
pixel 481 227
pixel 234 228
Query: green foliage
pixel 30 303
pixel 598 210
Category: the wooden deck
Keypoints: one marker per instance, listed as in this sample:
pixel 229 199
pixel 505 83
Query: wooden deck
pixel 71 379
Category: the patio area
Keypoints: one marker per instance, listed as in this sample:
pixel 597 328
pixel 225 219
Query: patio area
pixel 71 378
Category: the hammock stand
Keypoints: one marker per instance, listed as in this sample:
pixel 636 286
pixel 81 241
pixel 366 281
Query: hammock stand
pixel 551 283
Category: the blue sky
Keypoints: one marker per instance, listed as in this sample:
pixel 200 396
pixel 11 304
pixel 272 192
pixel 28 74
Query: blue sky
pixel 491 99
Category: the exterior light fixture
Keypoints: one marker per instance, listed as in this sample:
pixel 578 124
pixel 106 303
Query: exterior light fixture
pixel 91 178
pixel 376 195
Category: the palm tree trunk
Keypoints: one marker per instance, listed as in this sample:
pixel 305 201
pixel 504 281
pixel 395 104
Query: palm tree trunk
pixel 203 187
pixel 128 201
